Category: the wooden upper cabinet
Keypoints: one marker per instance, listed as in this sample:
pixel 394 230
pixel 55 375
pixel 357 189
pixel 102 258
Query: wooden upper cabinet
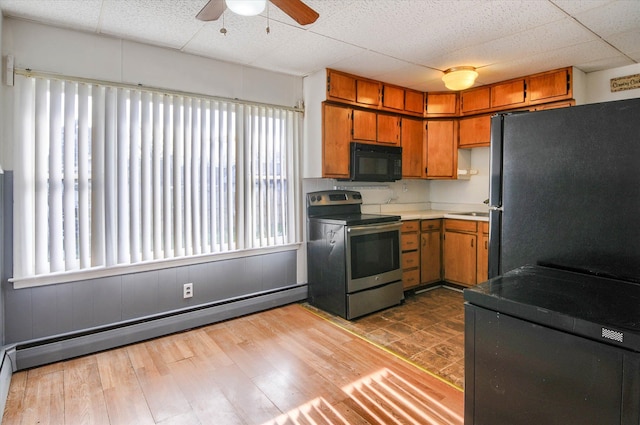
pixel 442 149
pixel 474 131
pixel 336 138
pixel 364 125
pixel 511 94
pixel 412 141
pixel 550 86
pixel 341 86
pixel 442 104
pixel 367 92
pixel 475 100
pixel 414 101
pixel 388 129
pixel 393 97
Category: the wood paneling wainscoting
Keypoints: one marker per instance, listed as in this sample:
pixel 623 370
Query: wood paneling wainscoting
pixel 281 366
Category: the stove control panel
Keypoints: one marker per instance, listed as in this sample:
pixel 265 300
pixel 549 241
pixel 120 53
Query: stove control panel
pixel 333 197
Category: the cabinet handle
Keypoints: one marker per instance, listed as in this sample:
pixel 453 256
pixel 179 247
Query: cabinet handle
pixel 485 244
pixel 471 243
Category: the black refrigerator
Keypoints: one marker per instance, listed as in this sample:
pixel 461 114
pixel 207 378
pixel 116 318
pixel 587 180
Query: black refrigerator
pixel 554 336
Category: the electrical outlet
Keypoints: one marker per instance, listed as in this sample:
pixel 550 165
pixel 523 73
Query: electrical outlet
pixel 187 290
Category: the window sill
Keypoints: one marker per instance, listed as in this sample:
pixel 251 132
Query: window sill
pixel 99 272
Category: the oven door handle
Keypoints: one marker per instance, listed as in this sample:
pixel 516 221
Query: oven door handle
pixel 374 228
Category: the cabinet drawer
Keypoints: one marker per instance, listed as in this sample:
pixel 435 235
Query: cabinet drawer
pixel 410 226
pixel 461 225
pixel 427 225
pixel 409 241
pixel 410 259
pixel 410 278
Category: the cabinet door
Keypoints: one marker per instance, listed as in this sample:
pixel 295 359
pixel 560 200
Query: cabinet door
pixel 368 92
pixel 442 104
pixel 482 267
pixel 508 95
pixel 364 125
pixel 474 131
pixel 336 135
pixel 388 129
pixel 442 149
pixel 414 101
pixel 550 86
pixel 341 86
pixel 460 258
pixel 393 97
pixel 412 140
pixel 430 253
pixel 475 100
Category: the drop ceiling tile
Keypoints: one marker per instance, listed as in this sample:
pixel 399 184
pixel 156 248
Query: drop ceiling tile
pixel 627 42
pixel 573 7
pixel 615 17
pixel 169 24
pixel 605 63
pixel 558 58
pixel 535 41
pixel 305 53
pixel 246 38
pixel 368 64
pixel 413 76
pixel 79 14
pixel 471 26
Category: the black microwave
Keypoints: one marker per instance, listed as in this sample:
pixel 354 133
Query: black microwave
pixel 375 163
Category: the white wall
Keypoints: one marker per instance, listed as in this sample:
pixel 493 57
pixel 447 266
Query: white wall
pixel 599 89
pixel 445 194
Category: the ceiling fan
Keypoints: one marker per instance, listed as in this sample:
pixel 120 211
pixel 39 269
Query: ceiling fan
pixel 299 11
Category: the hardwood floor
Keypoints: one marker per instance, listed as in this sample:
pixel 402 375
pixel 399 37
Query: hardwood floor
pixel 282 366
pixel 427 329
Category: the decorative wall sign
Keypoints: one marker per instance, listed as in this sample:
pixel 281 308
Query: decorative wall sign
pixel 629 82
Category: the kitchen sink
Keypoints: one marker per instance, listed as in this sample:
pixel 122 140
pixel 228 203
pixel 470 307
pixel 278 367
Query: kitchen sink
pixel 473 214
pixel 476 214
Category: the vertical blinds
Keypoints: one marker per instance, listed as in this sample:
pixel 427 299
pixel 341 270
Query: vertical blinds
pixel 109 176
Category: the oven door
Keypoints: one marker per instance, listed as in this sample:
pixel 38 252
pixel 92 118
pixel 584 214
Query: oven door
pixel 373 255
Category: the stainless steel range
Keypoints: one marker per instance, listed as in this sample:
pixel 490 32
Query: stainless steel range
pixel 353 259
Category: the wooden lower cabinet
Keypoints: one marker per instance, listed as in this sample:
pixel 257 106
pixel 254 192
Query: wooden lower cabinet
pixel 459 254
pixel 410 251
pixel 465 251
pixel 421 252
pixel 430 251
pixel 460 251
pixel 483 252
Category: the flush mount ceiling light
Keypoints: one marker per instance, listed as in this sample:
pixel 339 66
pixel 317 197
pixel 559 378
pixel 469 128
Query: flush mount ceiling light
pixel 459 78
pixel 246 7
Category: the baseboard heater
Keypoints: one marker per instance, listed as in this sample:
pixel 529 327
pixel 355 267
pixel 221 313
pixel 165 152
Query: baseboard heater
pixel 61 347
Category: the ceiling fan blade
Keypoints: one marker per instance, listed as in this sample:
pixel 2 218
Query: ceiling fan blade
pixel 212 10
pixel 300 12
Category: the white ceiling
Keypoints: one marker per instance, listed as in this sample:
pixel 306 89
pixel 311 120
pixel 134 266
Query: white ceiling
pixel 404 42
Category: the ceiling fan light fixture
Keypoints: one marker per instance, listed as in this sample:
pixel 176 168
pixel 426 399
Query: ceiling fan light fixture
pixel 459 78
pixel 246 7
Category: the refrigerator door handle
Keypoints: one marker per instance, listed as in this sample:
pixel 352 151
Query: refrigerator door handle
pixel 495 237
pixel 495 161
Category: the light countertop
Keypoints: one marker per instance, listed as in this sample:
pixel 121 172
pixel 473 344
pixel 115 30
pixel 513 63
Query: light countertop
pixel 433 214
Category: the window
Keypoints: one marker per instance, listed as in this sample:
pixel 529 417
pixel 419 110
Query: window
pixel 113 176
